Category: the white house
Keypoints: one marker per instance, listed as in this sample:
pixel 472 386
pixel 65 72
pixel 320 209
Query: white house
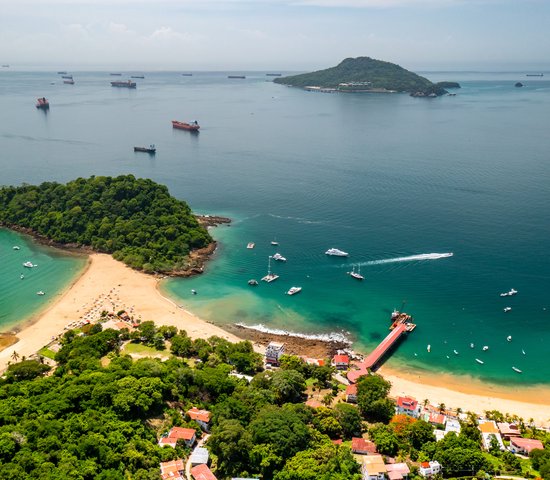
pixel 428 469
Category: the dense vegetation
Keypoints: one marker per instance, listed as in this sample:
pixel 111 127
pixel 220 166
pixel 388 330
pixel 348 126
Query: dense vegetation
pixel 134 219
pixel 98 415
pixel 380 74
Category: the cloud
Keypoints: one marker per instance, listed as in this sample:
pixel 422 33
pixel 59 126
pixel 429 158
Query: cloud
pixel 119 28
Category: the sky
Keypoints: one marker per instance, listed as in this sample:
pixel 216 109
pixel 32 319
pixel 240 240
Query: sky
pixel 286 35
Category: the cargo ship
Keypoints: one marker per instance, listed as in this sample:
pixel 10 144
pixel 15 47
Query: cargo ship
pixel 42 103
pixel 127 84
pixel 192 127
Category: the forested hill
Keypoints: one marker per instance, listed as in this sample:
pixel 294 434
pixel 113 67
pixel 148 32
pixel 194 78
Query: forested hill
pixel 136 220
pixel 379 75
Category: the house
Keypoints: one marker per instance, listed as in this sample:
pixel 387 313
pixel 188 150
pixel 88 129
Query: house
pixel 202 417
pixel 341 362
pixel 398 471
pixel 273 352
pixel 173 470
pixel 362 446
pixel 452 425
pixel 407 406
pixel 428 469
pixel 373 467
pixel 524 446
pixel 199 456
pixel 489 430
pixel 508 430
pixel 435 418
pixel 188 435
pixel 202 472
pixel 351 393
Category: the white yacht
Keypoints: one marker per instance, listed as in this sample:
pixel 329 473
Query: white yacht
pixel 507 309
pixel 509 338
pixel 294 290
pixel 250 245
pixel 279 257
pixel 485 348
pixel 337 253
pixel 40 293
pixel 29 265
pixel 15 247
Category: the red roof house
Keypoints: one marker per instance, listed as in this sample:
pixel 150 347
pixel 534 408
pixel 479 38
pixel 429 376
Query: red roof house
pixel 188 435
pixel 202 472
pixel 407 406
pixel 351 393
pixel 362 446
pixel 524 445
pixel 341 362
pixel 173 470
pixel 202 417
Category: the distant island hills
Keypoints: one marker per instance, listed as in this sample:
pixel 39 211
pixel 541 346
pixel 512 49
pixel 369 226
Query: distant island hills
pixel 365 74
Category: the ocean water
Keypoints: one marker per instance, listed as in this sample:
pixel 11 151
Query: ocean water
pixel 388 178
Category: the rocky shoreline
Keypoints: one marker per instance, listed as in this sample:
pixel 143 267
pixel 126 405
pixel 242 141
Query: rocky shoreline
pixel 313 348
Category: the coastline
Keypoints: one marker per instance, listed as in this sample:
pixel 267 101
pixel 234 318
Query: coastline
pixel 108 284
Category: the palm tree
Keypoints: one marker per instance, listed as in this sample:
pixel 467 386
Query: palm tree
pixel 441 407
pixel 15 356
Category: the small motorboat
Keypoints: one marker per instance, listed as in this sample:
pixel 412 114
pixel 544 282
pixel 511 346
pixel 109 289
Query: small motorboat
pixel 509 338
pixel 151 149
pixel 21 276
pixel 294 290
pixel 279 257
pixel 16 247
pixel 40 293
pixel 455 352
pixel 250 245
pixel 274 243
pixel 253 282
pixel 507 309
pixel 356 274
pixel 42 103
pixel 429 348
pixel 472 345
pixel 516 370
pixel 29 265
pixel 485 348
pixel 193 291
pixel 480 361
pixel 523 351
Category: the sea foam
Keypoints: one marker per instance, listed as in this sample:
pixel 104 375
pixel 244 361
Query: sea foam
pixel 323 337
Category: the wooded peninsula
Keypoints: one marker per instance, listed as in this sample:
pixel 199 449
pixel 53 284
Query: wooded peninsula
pixel 135 220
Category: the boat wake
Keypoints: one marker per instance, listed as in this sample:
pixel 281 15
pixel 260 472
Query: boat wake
pixel 410 258
pixel 323 337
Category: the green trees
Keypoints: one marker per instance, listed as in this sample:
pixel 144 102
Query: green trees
pixel 136 220
pixel 372 393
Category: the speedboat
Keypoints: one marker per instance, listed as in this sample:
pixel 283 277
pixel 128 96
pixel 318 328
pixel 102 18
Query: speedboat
pixel 429 348
pixel 29 265
pixel 512 292
pixel 279 257
pixel 507 309
pixel 516 370
pixel 294 290
pixel 337 253
pixel 15 247
pixel 274 243
pixel 509 338
pixel 253 282
pixel 523 351
pixel 40 293
pixel 480 361
pixel 485 348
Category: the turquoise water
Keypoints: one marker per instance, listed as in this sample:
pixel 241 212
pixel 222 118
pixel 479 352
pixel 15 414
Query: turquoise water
pixel 53 272
pixel 379 176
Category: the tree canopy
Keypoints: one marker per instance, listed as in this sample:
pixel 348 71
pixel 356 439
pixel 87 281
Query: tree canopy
pixel 136 220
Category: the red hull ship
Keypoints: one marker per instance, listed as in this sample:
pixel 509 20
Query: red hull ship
pixel 191 127
pixel 42 103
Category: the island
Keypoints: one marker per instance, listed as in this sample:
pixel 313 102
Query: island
pixel 137 221
pixel 365 74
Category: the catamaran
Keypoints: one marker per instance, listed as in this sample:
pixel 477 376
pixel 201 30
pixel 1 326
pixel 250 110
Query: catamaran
pixel 270 277
pixel 279 257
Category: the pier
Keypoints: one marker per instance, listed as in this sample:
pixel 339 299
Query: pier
pixel 401 324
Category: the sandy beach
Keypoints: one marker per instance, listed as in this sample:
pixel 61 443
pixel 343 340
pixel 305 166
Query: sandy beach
pixel 110 285
pixel 107 284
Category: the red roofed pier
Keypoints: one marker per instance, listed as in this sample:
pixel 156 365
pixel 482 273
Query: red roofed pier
pixel 401 324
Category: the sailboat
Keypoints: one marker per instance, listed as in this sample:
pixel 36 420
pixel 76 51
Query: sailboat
pixel 270 277
pixel 356 274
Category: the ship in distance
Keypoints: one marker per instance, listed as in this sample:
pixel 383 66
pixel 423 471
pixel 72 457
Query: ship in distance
pixel 337 253
pixel 126 84
pixel 192 126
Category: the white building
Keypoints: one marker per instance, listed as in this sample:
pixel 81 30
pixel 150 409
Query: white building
pixel 273 352
pixel 428 469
